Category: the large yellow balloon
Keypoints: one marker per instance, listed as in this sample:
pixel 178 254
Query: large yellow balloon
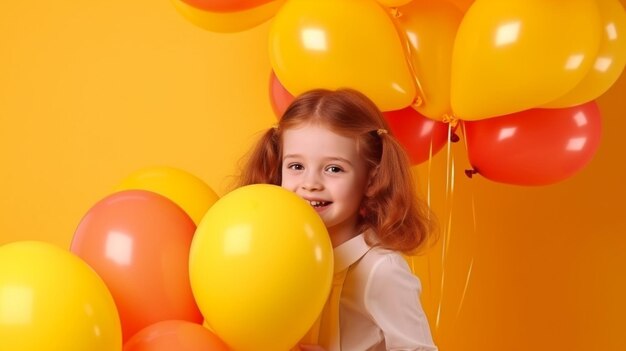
pixel 261 268
pixel 184 189
pixel 228 22
pixel 430 28
pixel 51 300
pixel 349 43
pixel 514 55
pixel 609 62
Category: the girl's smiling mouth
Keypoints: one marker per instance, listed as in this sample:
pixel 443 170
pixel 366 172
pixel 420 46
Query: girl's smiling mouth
pixel 317 204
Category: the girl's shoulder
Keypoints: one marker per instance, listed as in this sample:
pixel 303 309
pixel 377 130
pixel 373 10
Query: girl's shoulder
pixel 379 255
pixel 384 275
pixel 384 265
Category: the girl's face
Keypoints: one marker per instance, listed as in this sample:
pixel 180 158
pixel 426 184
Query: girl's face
pixel 325 169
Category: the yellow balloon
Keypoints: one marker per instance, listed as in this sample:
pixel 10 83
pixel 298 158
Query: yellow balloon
pixel 514 55
pixel 261 267
pixel 608 64
pixel 333 44
pixel 52 300
pixel 430 28
pixel 184 189
pixel 228 22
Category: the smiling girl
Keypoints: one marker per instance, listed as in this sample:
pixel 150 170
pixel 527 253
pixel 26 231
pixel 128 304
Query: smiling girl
pixel 333 149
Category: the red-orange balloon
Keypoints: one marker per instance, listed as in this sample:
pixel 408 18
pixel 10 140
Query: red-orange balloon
pixel 279 96
pixel 225 5
pixel 175 335
pixel 534 147
pixel 138 242
pixel 417 133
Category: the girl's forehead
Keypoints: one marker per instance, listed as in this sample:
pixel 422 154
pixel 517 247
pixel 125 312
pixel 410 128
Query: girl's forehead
pixel 318 131
pixel 318 140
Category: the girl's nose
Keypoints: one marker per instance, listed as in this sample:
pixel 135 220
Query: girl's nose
pixel 311 182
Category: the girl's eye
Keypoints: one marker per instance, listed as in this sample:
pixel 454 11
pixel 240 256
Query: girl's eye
pixel 295 166
pixel 334 169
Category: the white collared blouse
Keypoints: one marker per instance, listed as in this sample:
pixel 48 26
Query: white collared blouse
pixel 380 305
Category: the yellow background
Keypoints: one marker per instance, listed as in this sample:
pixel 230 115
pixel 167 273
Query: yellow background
pixel 93 90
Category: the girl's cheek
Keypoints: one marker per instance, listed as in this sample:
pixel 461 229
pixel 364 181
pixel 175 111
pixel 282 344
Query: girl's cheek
pixel 286 183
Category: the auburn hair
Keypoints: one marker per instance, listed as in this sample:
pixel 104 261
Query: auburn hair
pixel 391 208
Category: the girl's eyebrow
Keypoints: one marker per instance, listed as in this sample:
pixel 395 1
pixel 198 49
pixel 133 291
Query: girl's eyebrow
pixel 340 159
pixel 290 156
pixel 330 158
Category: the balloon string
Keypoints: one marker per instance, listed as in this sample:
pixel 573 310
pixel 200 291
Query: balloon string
pixel 451 191
pixel 467 280
pixel 429 204
pixel 437 321
pixel 468 172
pixel 464 138
pixel 429 184
pixel 449 187
pixel 408 54
pixel 448 226
pixel 471 265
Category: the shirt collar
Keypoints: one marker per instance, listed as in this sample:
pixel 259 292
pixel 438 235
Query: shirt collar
pixel 349 252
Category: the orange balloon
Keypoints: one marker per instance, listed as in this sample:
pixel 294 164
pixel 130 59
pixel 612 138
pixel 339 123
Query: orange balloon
pixel 280 98
pixel 462 5
pixel 225 5
pixel 138 242
pixel 228 22
pixel 536 146
pixel 393 3
pixel 186 190
pixel 421 137
pixel 430 28
pixel 175 335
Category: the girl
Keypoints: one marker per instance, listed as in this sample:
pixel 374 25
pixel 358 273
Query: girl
pixel 333 149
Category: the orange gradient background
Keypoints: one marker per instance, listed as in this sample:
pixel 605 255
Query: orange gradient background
pixel 91 91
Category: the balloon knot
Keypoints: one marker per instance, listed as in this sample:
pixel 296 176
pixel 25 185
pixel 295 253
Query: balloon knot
pixel 395 13
pixel 470 172
pixel 417 102
pixel 446 118
pixel 454 138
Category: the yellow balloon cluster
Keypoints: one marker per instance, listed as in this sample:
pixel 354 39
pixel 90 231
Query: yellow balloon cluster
pixel 51 300
pixel 261 266
pixel 452 59
pixel 447 59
